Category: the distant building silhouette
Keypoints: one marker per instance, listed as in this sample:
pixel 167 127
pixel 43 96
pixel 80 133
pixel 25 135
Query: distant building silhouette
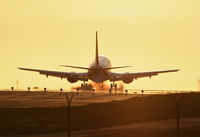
pixel 35 87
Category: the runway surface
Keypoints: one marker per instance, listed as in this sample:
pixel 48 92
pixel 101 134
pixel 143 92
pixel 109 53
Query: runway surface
pixel 23 99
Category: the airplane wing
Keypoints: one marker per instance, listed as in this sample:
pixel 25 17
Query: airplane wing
pixel 78 76
pixel 121 76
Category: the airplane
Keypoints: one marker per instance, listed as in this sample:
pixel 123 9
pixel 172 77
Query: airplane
pixel 99 71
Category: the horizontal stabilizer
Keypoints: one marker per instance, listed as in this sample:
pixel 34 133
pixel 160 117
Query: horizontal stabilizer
pixel 116 67
pixel 75 67
pixel 94 68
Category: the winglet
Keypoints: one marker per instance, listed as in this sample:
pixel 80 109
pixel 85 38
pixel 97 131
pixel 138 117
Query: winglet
pixel 97 52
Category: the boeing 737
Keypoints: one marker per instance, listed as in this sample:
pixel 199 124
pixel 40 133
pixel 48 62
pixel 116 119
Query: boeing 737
pixel 99 71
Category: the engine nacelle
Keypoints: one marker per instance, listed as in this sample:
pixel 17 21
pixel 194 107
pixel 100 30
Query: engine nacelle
pixel 127 80
pixel 72 78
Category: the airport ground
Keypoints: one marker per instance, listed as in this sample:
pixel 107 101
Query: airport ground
pixel 35 114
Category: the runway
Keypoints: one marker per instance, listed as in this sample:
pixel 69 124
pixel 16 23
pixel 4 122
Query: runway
pixel 39 99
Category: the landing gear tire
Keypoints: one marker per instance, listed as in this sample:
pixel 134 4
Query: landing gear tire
pixel 83 85
pixel 110 91
pixel 115 87
pixel 111 87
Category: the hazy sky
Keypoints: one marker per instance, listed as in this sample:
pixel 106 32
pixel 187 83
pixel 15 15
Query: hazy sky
pixel 147 34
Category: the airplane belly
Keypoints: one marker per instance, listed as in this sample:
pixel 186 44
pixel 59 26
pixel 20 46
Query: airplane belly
pixel 99 76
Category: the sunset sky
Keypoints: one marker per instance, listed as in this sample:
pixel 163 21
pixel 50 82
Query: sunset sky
pixel 146 34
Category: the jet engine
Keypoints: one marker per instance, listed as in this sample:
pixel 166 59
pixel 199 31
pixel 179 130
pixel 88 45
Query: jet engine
pixel 128 80
pixel 72 78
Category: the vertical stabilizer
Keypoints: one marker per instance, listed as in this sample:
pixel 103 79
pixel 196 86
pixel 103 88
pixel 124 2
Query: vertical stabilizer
pixel 97 52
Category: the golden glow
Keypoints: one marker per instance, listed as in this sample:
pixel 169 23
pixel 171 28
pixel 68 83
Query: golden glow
pixel 147 34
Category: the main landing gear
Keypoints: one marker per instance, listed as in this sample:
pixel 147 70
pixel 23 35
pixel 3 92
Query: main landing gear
pixel 83 85
pixel 113 85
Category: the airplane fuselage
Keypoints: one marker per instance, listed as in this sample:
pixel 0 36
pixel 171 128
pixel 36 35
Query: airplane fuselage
pixel 98 73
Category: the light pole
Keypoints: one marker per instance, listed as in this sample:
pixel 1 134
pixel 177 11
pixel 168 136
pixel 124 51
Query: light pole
pixel 126 91
pixel 61 90
pixel 93 90
pixel 12 88
pixel 29 89
pixel 142 92
pixel 45 90
pixel 177 98
pixel 69 100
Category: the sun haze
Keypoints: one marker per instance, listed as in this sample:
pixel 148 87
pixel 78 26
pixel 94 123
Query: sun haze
pixel 149 35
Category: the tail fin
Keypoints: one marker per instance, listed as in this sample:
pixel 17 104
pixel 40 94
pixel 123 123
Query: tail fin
pixel 97 61
pixel 97 52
